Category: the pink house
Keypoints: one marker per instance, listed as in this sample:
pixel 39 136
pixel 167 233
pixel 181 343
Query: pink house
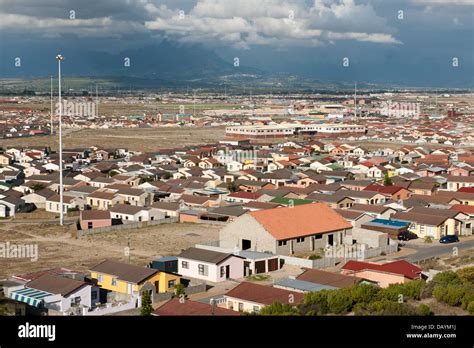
pixel 383 274
pixel 95 219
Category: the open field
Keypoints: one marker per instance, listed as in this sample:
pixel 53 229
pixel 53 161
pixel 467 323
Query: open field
pixel 57 246
pixel 137 139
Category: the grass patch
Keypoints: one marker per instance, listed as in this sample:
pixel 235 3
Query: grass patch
pixel 258 277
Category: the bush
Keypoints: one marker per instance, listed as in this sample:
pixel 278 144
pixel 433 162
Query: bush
pixel 470 308
pixel 451 295
pixel 277 308
pixel 466 274
pixel 411 290
pixel 386 307
pixel 314 257
pixel 364 293
pixel 315 303
pixel 428 239
pixel 340 301
pixel 445 278
pixel 424 309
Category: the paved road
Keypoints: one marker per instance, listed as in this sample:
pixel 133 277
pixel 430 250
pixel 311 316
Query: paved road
pixel 426 252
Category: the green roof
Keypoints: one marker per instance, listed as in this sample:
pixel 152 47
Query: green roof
pixel 287 201
pixel 335 166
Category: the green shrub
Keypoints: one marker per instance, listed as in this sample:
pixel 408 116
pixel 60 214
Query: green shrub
pixel 386 307
pixel 445 278
pixel 315 303
pixel 470 308
pixel 314 257
pixel 428 239
pixel 277 308
pixel 451 295
pixel 466 274
pixel 424 309
pixel 364 293
pixel 340 301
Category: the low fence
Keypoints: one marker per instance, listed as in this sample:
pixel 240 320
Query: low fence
pixel 325 262
pixel 127 226
pixel 110 309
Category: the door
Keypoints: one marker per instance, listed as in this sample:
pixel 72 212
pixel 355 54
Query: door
pixel 331 239
pixel 272 265
pixel 157 286
pixel 227 271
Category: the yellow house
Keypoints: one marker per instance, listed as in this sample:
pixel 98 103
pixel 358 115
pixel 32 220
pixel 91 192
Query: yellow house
pixel 129 279
pixel 435 226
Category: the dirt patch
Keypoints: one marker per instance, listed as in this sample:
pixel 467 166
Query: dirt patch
pixel 58 246
pixel 137 139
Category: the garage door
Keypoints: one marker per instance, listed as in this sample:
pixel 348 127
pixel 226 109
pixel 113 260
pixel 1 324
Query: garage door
pixel 260 267
pixel 272 265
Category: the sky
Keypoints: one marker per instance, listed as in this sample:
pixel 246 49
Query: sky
pixel 411 42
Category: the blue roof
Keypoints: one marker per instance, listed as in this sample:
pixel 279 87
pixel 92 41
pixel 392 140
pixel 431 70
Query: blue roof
pixel 302 285
pixel 167 258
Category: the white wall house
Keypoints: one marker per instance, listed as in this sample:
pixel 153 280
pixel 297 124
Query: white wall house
pixel 210 265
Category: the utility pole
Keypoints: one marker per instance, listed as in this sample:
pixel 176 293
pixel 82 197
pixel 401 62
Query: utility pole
pixel 355 100
pixel 96 102
pixel 59 58
pixel 51 113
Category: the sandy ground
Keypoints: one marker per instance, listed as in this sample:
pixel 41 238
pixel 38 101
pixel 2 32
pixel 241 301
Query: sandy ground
pixel 136 139
pixel 57 246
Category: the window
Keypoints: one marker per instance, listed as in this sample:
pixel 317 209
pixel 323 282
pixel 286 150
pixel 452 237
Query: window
pixel 89 225
pixel 241 307
pixel 318 236
pixel 100 278
pixel 281 242
pixel 202 270
pixel 300 240
pixel 171 283
pixel 222 271
pixel 184 264
pixel 114 281
pixel 256 308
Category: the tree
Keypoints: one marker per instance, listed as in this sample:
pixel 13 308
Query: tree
pixel 340 301
pixel 37 187
pixel 144 179
pixel 232 187
pixel 364 293
pixel 113 173
pixel 387 181
pixel 146 307
pixel 180 290
pixel 315 303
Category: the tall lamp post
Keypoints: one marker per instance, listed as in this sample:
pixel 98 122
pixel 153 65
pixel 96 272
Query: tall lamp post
pixel 59 58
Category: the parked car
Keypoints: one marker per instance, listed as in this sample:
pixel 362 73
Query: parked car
pixel 406 235
pixel 449 239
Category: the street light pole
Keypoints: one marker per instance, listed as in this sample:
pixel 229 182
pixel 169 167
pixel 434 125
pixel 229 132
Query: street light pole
pixel 59 58
pixel 51 126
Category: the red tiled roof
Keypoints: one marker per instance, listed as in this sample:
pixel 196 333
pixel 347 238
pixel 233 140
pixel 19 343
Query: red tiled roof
pixel 397 267
pixel 301 220
pixel 468 209
pixel 263 294
pixel 390 190
pixel 188 307
pixel 246 195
